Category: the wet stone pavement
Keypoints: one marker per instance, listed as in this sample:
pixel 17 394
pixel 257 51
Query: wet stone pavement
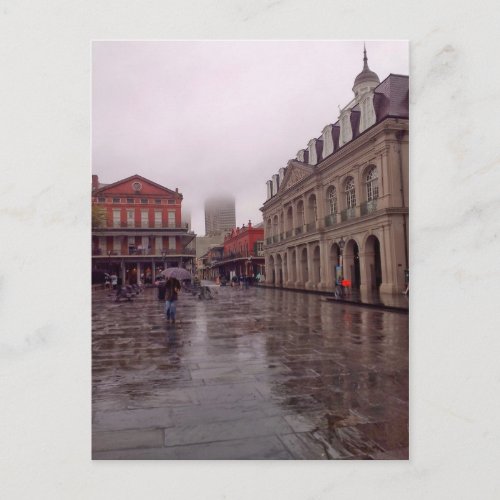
pixel 251 374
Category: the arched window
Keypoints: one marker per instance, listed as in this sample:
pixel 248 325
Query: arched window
pixel 372 184
pixel 350 193
pixel 275 229
pixel 331 196
pixel 300 213
pixel 312 211
pixel 269 233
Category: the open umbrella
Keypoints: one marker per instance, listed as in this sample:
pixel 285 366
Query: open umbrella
pixel 177 272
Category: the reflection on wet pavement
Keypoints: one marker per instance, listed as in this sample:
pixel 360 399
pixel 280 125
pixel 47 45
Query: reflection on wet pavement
pixel 252 374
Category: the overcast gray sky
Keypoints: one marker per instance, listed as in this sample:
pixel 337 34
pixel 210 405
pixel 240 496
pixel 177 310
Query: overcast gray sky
pixel 212 117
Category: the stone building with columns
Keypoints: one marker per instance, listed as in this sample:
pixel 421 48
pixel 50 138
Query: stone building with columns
pixel 340 208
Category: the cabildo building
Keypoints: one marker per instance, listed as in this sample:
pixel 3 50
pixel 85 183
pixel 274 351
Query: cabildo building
pixel 340 209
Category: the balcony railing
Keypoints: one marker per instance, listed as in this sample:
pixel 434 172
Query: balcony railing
pixel 348 213
pixel 368 207
pixel 310 226
pixel 143 251
pixel 133 225
pixel 237 255
pixel 330 219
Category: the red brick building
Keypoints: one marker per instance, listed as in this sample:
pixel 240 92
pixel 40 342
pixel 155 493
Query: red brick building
pixel 243 254
pixel 137 229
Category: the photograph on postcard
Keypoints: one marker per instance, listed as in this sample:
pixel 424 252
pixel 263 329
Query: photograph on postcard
pixel 250 250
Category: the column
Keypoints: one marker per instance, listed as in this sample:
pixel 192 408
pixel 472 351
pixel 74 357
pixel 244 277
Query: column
pixel 366 259
pixel 124 274
pixel 388 276
pixel 324 267
pixel 298 270
pixel 310 283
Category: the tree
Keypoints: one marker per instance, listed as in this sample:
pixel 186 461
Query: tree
pixel 98 216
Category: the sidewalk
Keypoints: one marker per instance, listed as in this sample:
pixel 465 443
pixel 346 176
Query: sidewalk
pixel 390 302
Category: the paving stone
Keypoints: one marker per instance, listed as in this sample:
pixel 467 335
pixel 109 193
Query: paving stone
pixel 252 374
pixel 143 418
pixel 227 430
pixel 267 448
pixel 126 439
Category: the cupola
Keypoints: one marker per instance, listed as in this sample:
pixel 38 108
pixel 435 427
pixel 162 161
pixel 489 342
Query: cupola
pixel 367 80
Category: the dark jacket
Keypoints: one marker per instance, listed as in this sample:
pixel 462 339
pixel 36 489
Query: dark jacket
pixel 173 286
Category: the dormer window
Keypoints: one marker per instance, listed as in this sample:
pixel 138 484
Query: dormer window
pixel 313 150
pixel 368 116
pixel 327 137
pixel 345 127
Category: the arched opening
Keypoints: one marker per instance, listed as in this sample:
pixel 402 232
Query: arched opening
pixel 316 270
pixel 312 212
pixel 293 266
pixel 269 230
pixel 300 218
pixel 303 265
pixel 350 199
pixel 335 263
pixel 279 271
pixel 332 207
pixel 285 268
pixel 272 271
pixel 351 263
pixel 373 262
pixel 372 189
pixel 289 221
pixel 275 229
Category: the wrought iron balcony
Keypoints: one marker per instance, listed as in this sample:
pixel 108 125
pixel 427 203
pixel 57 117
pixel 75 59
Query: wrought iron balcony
pixel 310 226
pixel 142 251
pixel 348 213
pixel 330 219
pixel 134 225
pixel 368 207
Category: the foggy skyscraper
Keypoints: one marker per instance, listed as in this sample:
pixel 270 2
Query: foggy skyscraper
pixel 220 214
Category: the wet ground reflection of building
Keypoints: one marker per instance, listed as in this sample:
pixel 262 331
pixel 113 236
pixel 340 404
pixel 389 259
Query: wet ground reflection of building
pixel 258 373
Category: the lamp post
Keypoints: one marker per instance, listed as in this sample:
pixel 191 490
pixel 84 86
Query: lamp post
pixel 341 247
pixel 164 255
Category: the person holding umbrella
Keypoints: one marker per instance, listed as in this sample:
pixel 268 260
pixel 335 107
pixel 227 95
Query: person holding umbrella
pixel 173 288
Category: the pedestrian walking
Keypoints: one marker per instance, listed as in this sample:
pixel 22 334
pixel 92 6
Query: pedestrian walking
pixel 173 287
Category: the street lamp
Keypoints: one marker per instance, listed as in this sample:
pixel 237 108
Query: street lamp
pixel 341 246
pixel 164 255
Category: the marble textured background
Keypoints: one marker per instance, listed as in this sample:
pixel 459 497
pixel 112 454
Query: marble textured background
pixel 45 248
